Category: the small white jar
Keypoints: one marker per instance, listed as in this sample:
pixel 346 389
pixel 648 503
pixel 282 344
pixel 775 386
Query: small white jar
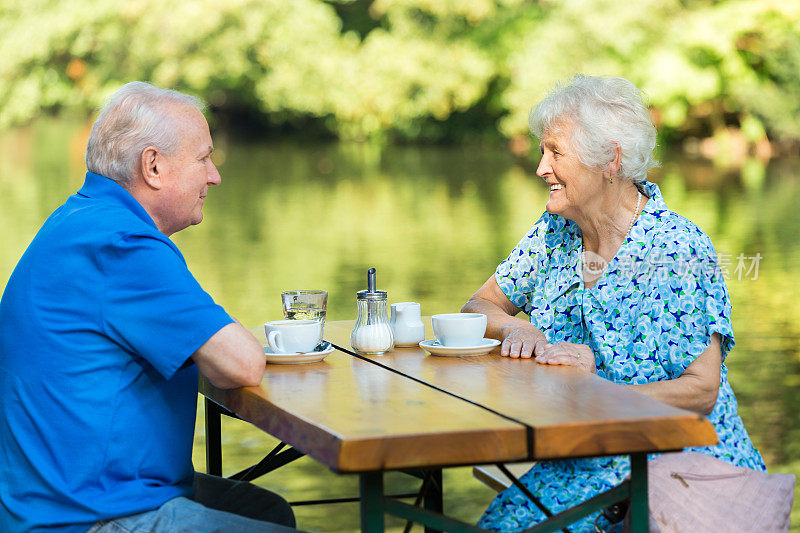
pixel 406 322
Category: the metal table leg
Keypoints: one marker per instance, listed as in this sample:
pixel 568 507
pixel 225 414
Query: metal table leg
pixel 434 496
pixel 372 502
pixel 639 508
pixel 213 439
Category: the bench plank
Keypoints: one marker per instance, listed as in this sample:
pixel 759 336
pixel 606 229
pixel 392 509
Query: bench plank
pixel 495 479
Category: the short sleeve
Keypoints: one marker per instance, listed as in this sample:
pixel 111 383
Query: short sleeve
pixel 696 305
pixel 717 308
pixel 516 275
pixel 152 305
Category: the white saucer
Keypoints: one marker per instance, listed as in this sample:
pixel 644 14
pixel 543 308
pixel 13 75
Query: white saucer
pixel 297 358
pixel 433 346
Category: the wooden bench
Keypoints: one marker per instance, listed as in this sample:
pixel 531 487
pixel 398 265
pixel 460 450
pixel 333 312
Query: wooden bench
pixel 493 478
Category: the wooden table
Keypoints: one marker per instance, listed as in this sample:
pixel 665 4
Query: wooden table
pixel 410 410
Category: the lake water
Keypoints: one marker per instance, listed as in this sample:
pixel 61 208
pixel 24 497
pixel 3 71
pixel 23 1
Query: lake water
pixel 434 222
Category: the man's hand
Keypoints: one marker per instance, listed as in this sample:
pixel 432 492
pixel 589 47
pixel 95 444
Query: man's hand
pixel 569 354
pixel 521 340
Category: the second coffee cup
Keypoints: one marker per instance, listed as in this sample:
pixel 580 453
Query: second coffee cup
pixel 293 336
pixel 459 329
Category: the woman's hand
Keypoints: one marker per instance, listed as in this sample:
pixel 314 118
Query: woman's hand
pixel 521 340
pixel 569 354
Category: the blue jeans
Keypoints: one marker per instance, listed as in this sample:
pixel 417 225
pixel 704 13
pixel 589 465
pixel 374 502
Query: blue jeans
pixel 218 504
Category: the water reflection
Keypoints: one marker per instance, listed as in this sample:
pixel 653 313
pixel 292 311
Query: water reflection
pixel 435 221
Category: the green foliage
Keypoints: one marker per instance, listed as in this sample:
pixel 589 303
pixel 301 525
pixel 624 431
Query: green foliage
pixel 696 65
pixel 409 68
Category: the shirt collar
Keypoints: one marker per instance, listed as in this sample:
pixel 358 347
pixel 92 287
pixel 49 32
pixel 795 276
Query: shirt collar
pixel 565 258
pixel 100 187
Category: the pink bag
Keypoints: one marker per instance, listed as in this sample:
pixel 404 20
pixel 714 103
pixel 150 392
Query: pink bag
pixel 694 492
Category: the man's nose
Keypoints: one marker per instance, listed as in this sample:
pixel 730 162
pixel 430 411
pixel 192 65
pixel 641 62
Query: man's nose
pixel 214 177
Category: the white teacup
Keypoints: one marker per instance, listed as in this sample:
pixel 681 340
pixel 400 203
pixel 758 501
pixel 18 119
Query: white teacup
pixel 293 336
pixel 459 329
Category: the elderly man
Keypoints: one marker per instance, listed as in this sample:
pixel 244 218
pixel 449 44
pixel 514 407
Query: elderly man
pixel 102 332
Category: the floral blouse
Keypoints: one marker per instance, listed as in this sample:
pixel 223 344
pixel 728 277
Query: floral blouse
pixel 650 314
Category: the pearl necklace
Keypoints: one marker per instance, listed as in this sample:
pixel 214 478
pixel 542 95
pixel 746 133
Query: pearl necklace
pixel 635 211
pixel 594 272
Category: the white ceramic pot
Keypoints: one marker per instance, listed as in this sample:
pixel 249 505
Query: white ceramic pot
pixel 406 322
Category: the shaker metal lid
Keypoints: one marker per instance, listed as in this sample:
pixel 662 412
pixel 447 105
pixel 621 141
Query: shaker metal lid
pixel 371 295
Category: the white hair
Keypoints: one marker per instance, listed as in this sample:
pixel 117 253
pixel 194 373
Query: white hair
pixel 135 117
pixel 603 113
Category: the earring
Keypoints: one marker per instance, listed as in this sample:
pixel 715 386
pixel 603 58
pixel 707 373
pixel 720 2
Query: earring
pixel 611 179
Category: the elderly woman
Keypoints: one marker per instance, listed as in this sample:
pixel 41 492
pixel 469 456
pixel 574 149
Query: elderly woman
pixel 615 284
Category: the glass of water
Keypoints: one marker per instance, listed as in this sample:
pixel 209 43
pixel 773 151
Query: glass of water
pixel 305 305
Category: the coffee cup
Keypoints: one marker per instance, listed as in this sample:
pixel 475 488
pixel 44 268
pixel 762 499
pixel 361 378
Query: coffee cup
pixel 293 336
pixel 459 329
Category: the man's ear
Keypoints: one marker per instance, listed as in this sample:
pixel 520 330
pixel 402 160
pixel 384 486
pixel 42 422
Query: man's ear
pixel 614 164
pixel 151 167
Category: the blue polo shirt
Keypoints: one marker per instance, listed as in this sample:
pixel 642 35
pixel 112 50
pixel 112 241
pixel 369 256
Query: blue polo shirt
pixel 96 414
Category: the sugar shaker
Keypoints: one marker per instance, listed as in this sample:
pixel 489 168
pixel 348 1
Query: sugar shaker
pixel 372 333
